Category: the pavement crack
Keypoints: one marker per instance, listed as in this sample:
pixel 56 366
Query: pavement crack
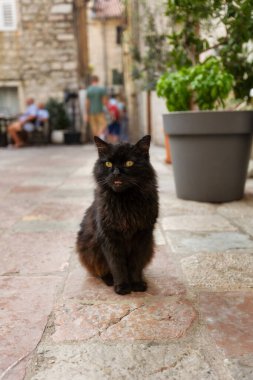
pixel 120 319
pixel 13 365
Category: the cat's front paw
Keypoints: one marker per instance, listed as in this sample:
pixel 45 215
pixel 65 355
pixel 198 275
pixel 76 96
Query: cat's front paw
pixel 122 289
pixel 108 279
pixel 140 286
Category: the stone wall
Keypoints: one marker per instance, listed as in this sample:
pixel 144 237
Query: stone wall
pixel 9 56
pixel 42 54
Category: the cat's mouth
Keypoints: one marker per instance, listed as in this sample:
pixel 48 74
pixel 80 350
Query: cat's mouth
pixel 117 183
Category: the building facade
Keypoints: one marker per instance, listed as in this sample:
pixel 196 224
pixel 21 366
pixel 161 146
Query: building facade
pixel 105 30
pixel 38 51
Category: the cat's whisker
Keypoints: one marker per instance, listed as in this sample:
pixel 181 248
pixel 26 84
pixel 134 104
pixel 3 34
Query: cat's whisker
pixel 102 182
pixel 135 183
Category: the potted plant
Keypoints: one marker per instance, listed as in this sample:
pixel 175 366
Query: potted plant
pixel 58 120
pixel 210 149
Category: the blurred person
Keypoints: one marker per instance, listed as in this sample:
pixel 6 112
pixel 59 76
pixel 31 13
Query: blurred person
pixel 42 115
pixel 124 125
pixel 95 101
pixel 121 104
pixel 114 125
pixel 113 100
pixel 25 122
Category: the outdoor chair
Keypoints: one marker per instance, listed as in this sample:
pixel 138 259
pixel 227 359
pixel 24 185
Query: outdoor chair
pixel 39 136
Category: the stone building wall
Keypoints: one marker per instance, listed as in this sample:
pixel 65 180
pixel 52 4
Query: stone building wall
pixel 41 55
pixel 9 56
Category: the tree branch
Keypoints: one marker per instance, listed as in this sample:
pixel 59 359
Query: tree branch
pixel 214 46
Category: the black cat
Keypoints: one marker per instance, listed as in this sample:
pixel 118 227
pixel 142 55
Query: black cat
pixel 115 241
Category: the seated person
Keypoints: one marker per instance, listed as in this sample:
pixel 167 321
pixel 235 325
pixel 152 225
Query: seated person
pixel 24 123
pixel 42 115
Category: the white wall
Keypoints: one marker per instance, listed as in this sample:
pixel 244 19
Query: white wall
pixel 142 106
pixel 158 108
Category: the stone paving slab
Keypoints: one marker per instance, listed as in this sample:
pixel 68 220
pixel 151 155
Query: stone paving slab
pixel 68 195
pixel 55 211
pixel 9 214
pixel 159 237
pixel 153 320
pixel 93 361
pixel 242 367
pixel 39 252
pixel 57 322
pixel 228 316
pixel 245 223
pixel 229 271
pixel 34 226
pixel 196 223
pixel 173 207
pixel 45 180
pixel 25 305
pixel 186 243
pixel 29 189
pixel 235 210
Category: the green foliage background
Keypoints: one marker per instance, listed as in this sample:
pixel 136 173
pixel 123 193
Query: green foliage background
pixel 151 61
pixel 58 116
pixel 234 49
pixel 182 47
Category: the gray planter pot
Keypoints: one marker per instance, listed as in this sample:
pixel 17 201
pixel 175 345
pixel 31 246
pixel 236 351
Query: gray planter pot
pixel 210 153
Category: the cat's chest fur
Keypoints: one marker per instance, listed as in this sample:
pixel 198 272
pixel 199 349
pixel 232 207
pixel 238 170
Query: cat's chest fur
pixel 127 213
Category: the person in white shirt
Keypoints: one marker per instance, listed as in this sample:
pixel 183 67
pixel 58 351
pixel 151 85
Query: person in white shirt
pixel 24 123
pixel 42 115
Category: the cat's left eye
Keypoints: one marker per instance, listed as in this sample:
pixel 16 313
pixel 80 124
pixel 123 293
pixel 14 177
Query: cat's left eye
pixel 128 164
pixel 108 164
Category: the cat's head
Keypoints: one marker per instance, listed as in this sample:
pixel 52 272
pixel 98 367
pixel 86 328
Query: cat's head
pixel 123 166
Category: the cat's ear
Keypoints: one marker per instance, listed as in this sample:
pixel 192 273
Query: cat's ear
pixel 144 144
pixel 101 145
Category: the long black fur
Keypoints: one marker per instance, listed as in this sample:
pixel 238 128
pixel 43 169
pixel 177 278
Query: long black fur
pixel 115 241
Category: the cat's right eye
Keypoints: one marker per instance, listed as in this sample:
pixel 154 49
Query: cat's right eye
pixel 108 164
pixel 128 164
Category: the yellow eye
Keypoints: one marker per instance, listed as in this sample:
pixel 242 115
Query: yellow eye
pixel 108 164
pixel 128 164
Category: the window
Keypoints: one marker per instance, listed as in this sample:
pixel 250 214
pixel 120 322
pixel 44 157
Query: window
pixel 8 15
pixel 117 77
pixel 9 102
pixel 119 32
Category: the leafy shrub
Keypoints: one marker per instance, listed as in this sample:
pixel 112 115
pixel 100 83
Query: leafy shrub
pixel 58 116
pixel 206 85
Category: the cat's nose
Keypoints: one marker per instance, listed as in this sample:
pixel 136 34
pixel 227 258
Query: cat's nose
pixel 116 171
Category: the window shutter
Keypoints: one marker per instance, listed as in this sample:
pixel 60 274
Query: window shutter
pixel 8 15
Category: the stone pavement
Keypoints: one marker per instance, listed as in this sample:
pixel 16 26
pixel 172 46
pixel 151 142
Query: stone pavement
pixel 195 322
